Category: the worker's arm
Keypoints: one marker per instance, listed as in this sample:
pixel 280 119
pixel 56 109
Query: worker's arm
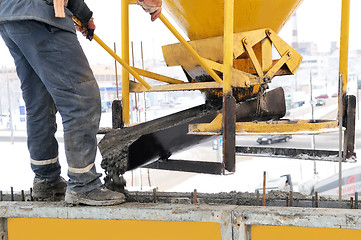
pixel 83 13
pixel 154 7
pixel 80 10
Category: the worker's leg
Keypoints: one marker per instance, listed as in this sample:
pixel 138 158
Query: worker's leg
pixel 57 58
pixel 41 127
pixel 41 122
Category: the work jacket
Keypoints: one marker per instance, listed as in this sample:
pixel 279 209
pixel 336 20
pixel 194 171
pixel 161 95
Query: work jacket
pixel 43 11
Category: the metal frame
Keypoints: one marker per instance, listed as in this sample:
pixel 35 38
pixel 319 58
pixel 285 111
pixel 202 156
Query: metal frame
pixel 216 168
pixel 302 154
pixel 228 117
pixel 263 70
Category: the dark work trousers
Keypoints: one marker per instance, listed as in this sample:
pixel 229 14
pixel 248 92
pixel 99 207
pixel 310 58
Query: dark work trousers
pixel 55 76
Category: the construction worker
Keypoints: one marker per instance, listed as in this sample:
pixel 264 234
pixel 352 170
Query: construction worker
pixel 55 76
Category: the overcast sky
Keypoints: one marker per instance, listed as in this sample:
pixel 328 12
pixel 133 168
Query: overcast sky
pixel 318 21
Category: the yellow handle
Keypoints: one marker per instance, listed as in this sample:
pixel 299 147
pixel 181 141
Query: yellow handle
pixel 116 57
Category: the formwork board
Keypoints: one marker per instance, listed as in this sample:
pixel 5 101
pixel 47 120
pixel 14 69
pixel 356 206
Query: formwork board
pixel 36 220
pixel 95 229
pixel 259 232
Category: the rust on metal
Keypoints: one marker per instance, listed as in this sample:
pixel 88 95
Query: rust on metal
pixel 264 189
pixel 356 200
pixel 117 118
pixel 229 136
pixel 154 195
pixel 194 196
pixel 349 123
pixel 291 198
pixel 235 198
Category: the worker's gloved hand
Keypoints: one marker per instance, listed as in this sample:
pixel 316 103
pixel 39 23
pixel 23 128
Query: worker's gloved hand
pixel 87 30
pixel 154 7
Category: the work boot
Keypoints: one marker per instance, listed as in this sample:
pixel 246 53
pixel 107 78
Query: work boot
pixel 97 197
pixel 43 190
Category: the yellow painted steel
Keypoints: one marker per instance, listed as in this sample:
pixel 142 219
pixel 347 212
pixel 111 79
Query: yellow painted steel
pixel 259 232
pixel 116 57
pixel 125 57
pixel 228 47
pixel 271 127
pixel 344 42
pixel 95 229
pixel 129 69
pixel 272 72
pixel 156 76
pixel 214 126
pixel 252 56
pixel 136 87
pixel 239 78
pixel 209 49
pixel 284 126
pixel 263 51
pixel 283 48
pixel 203 18
pixel 190 49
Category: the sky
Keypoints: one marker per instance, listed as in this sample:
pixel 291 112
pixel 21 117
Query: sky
pixel 317 20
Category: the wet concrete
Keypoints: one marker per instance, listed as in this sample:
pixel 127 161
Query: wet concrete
pixel 132 147
pixel 128 148
pixel 273 198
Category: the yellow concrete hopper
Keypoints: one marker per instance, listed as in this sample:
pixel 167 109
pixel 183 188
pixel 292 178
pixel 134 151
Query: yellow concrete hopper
pixel 204 18
pixel 256 27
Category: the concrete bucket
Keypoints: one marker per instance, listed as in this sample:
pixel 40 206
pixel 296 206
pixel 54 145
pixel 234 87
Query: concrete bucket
pixel 204 19
pixel 256 24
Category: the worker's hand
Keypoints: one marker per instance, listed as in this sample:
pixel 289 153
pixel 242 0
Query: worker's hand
pixel 87 30
pixel 154 7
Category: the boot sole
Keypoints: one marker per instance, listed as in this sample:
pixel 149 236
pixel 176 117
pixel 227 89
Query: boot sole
pixel 45 196
pixel 76 200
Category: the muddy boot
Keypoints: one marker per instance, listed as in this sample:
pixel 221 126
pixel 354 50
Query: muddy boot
pixel 49 191
pixel 97 197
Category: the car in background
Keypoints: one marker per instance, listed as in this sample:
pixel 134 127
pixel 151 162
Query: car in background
pixel 322 96
pixel 283 184
pixel 334 95
pixel 320 102
pixel 269 139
